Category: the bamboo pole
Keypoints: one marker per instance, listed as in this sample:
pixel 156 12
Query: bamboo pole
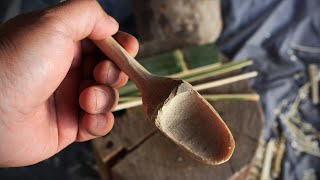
pixel 266 170
pixel 220 97
pixel 222 70
pixel 278 157
pixel 225 81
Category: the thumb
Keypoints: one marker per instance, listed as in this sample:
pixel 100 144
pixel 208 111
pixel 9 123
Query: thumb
pixel 81 19
pixel 75 19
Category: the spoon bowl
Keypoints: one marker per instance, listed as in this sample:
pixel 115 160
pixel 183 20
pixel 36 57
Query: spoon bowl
pixel 191 122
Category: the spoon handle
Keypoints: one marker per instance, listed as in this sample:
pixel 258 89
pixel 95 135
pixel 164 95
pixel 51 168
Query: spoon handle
pixel 136 72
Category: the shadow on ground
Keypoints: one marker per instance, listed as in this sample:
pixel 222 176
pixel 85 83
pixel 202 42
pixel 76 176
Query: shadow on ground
pixel 76 162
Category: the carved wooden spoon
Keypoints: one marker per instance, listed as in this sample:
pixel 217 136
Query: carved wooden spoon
pixel 176 109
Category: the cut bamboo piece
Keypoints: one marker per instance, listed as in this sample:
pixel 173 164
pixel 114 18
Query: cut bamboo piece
pixel 195 74
pixel 129 98
pixel 127 105
pixel 211 70
pixel 166 63
pixel 226 81
pixel 313 75
pixel 266 170
pixel 182 62
pixel 197 87
pixel 242 97
pixel 279 156
pixel 196 71
pixel 222 70
pixel 198 56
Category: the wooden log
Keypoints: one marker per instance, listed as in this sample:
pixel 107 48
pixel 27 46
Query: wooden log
pixel 159 158
pixel 166 25
pixel 146 154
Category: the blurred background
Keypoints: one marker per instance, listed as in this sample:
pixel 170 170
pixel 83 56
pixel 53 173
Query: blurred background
pixel 264 56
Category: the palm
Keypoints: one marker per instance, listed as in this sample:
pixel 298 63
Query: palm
pixel 52 121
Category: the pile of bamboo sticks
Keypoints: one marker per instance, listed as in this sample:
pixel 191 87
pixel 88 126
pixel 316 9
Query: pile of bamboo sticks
pixel 130 97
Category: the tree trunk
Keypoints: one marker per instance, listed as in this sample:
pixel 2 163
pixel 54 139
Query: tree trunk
pixel 169 24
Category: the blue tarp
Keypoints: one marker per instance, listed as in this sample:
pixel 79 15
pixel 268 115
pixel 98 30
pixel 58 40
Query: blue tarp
pixel 282 38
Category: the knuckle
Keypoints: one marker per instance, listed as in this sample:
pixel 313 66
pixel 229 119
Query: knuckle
pixel 92 6
pixel 91 3
pixel 54 21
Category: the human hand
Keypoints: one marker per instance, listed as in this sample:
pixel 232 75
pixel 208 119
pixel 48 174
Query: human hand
pixel 56 86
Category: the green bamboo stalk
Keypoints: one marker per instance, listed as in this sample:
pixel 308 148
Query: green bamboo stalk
pixel 129 98
pixel 208 54
pixel 195 71
pixel 219 71
pixel 164 64
pixel 180 60
pixel 227 66
pixel 128 90
pixel 131 88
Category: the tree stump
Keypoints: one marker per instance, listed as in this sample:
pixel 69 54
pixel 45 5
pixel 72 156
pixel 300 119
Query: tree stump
pixel 166 25
pixel 136 150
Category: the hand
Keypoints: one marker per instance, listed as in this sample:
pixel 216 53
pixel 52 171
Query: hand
pixel 56 87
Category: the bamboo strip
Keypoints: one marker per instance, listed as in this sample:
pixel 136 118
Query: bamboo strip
pixel 226 81
pixel 129 98
pixel 219 97
pixel 222 70
pixel 127 105
pixel 279 156
pixel 313 73
pixel 202 69
pixel 266 170
pixel 209 97
pixel 181 61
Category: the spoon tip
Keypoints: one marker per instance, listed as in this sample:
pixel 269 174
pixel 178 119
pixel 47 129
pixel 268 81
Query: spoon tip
pixel 193 124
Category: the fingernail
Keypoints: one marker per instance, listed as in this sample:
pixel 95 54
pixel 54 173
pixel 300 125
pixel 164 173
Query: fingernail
pixel 101 99
pixel 113 74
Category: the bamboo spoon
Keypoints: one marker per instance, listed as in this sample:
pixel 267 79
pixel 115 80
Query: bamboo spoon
pixel 176 109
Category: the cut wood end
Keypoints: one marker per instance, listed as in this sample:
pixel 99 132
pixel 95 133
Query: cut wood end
pixel 193 124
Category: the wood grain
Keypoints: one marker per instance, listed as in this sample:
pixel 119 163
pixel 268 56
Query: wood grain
pixel 159 158
pixel 130 129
